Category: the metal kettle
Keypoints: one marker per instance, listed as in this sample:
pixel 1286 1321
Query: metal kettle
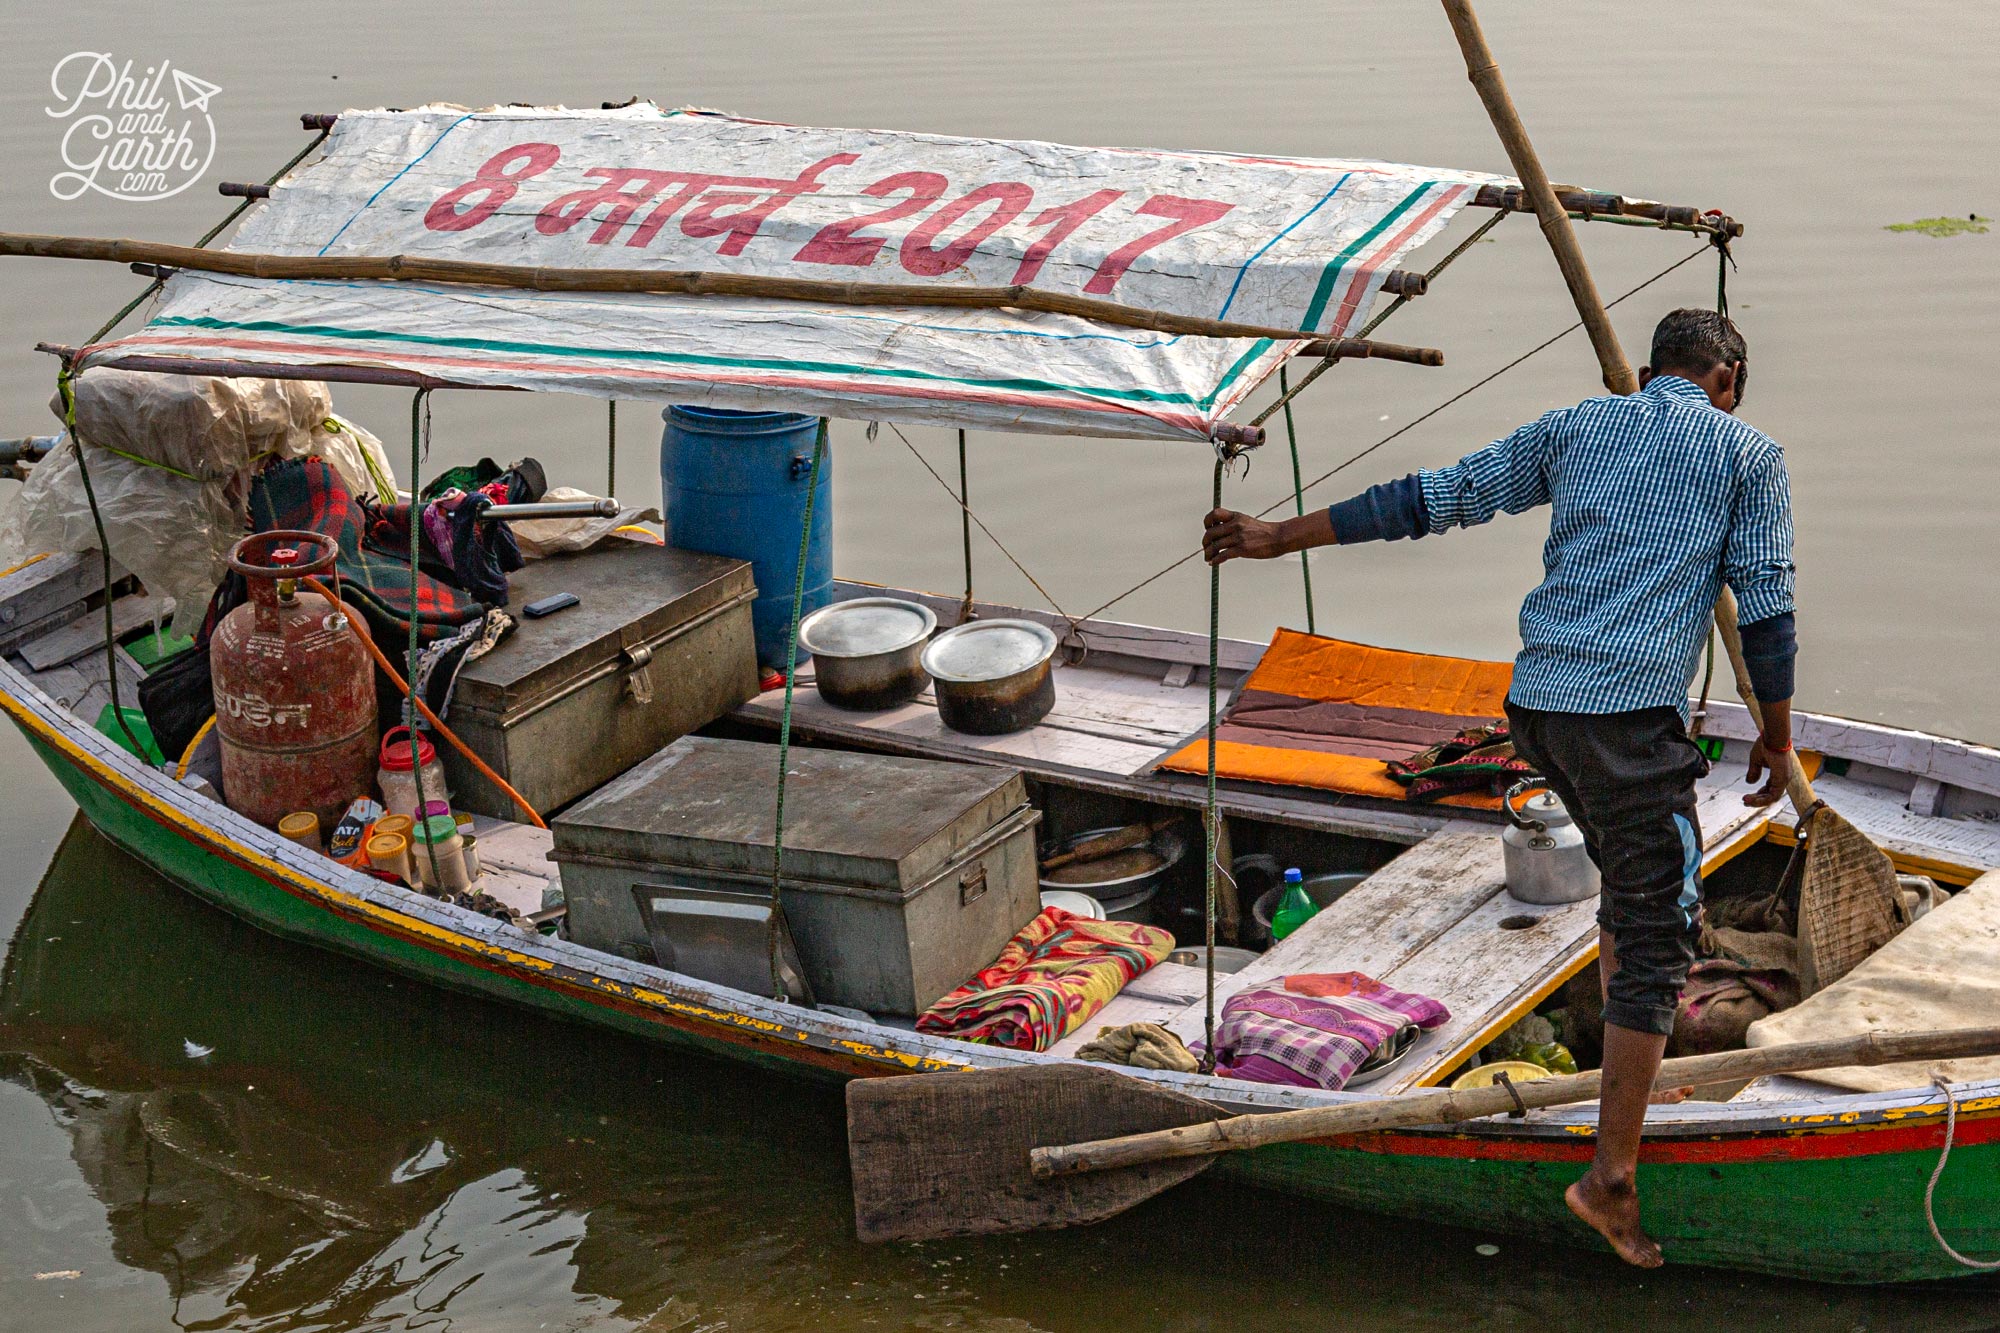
pixel 1546 860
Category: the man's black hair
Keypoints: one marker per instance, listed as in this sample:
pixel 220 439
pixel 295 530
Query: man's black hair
pixel 1696 341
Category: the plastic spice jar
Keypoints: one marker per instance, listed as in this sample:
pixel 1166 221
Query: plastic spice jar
pixel 302 827
pixel 390 852
pixel 397 775
pixel 438 837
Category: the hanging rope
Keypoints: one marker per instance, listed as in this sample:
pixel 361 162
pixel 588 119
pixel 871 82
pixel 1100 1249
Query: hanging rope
pixel 1724 261
pixel 63 386
pixel 1298 500
pixel 778 989
pixel 420 437
pixel 1211 821
pixel 68 392
pixel 964 528
pixel 1930 1190
pixel 1400 431
pixel 611 448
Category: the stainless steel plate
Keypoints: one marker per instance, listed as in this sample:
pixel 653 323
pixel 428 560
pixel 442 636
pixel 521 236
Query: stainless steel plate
pixel 865 627
pixel 988 650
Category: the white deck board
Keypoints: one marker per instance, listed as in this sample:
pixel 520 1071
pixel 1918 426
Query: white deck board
pixel 1884 815
pixel 1430 922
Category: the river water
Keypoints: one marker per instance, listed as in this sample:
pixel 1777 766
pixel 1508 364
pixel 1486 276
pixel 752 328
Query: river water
pixel 204 1127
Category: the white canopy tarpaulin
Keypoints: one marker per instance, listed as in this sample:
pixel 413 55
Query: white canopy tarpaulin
pixel 1292 243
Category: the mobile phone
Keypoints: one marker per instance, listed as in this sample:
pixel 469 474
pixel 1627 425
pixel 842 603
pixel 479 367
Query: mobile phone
pixel 548 606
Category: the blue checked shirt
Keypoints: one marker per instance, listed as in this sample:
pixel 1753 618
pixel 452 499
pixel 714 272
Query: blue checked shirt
pixel 1658 499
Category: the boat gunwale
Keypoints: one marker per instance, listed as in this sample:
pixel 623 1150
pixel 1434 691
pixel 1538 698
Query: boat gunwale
pixel 675 1000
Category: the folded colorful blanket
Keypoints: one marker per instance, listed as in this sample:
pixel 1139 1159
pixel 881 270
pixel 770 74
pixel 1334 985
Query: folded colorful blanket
pixel 1058 971
pixel 1316 1029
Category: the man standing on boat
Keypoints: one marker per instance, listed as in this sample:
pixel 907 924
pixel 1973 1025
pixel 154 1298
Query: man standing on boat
pixel 1658 500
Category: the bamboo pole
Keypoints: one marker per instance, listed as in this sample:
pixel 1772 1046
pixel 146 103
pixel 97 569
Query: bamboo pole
pixel 1441 1108
pixel 1618 377
pixel 408 268
pixel 1484 72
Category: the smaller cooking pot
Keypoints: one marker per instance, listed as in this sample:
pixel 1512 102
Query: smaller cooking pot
pixel 867 651
pixel 993 676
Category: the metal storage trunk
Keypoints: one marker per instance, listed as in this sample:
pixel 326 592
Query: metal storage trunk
pixel 902 877
pixel 659 644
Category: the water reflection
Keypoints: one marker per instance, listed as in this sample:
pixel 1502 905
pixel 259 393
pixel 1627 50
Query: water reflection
pixel 276 1138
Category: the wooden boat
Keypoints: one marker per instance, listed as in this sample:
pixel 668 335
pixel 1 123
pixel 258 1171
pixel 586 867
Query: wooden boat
pixel 1793 1179
pixel 1785 1178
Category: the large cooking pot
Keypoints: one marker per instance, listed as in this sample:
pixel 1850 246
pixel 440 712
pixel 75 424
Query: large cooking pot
pixel 867 651
pixel 993 676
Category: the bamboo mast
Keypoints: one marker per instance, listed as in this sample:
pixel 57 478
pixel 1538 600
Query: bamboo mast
pixel 1484 72
pixel 683 282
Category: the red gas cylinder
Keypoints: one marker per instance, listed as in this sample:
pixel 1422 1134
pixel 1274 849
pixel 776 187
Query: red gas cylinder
pixel 294 691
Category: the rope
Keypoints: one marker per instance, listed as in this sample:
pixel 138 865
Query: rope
pixel 201 244
pixel 1298 500
pixel 611 448
pixel 68 392
pixel 1478 235
pixel 964 528
pixel 420 430
pixel 1930 1190
pixel 1047 596
pixel 778 991
pixel 1211 820
pixel 1466 392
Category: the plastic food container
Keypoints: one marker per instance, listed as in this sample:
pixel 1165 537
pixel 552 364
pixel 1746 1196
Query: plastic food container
pixel 437 838
pixel 390 852
pixel 302 827
pixel 397 775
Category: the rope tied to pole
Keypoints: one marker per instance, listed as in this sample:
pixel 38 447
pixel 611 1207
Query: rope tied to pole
pixel 420 434
pixel 964 527
pixel 611 448
pixel 1298 498
pixel 1211 820
pixel 776 914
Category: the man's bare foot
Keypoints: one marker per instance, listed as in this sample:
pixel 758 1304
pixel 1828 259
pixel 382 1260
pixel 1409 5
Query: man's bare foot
pixel 1613 1212
pixel 1669 1096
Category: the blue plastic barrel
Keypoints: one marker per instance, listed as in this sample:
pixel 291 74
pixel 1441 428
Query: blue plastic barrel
pixel 735 484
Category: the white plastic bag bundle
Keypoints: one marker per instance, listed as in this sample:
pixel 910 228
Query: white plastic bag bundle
pixel 210 429
pixel 553 536
pixel 174 534
pixel 171 458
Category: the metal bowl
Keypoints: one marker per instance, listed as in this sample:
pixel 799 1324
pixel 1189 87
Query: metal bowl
pixel 993 676
pixel 1126 894
pixel 1324 890
pixel 867 651
pixel 1226 959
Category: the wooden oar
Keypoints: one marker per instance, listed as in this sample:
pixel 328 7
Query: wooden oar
pixel 1036 1147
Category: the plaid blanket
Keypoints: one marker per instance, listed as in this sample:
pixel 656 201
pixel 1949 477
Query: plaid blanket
pixel 1315 1030
pixel 374 559
pixel 1058 971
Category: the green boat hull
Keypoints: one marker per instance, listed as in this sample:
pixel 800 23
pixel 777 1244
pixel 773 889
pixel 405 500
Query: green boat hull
pixel 1835 1198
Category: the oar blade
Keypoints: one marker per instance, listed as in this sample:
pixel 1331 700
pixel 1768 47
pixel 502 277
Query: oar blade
pixel 938 1155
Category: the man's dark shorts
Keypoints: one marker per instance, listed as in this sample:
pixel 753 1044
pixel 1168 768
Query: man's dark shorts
pixel 1628 778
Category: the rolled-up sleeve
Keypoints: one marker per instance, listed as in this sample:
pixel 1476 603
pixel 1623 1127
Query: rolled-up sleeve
pixel 1757 561
pixel 1510 475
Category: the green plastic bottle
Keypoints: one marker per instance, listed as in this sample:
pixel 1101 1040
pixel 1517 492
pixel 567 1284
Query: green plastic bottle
pixel 1294 909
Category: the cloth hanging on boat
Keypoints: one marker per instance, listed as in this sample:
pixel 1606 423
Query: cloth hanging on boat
pixel 1315 1029
pixel 1938 974
pixel 1053 975
pixel 1478 759
pixel 1332 715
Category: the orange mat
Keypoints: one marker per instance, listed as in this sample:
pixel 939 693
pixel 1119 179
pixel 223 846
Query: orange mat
pixel 1327 714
